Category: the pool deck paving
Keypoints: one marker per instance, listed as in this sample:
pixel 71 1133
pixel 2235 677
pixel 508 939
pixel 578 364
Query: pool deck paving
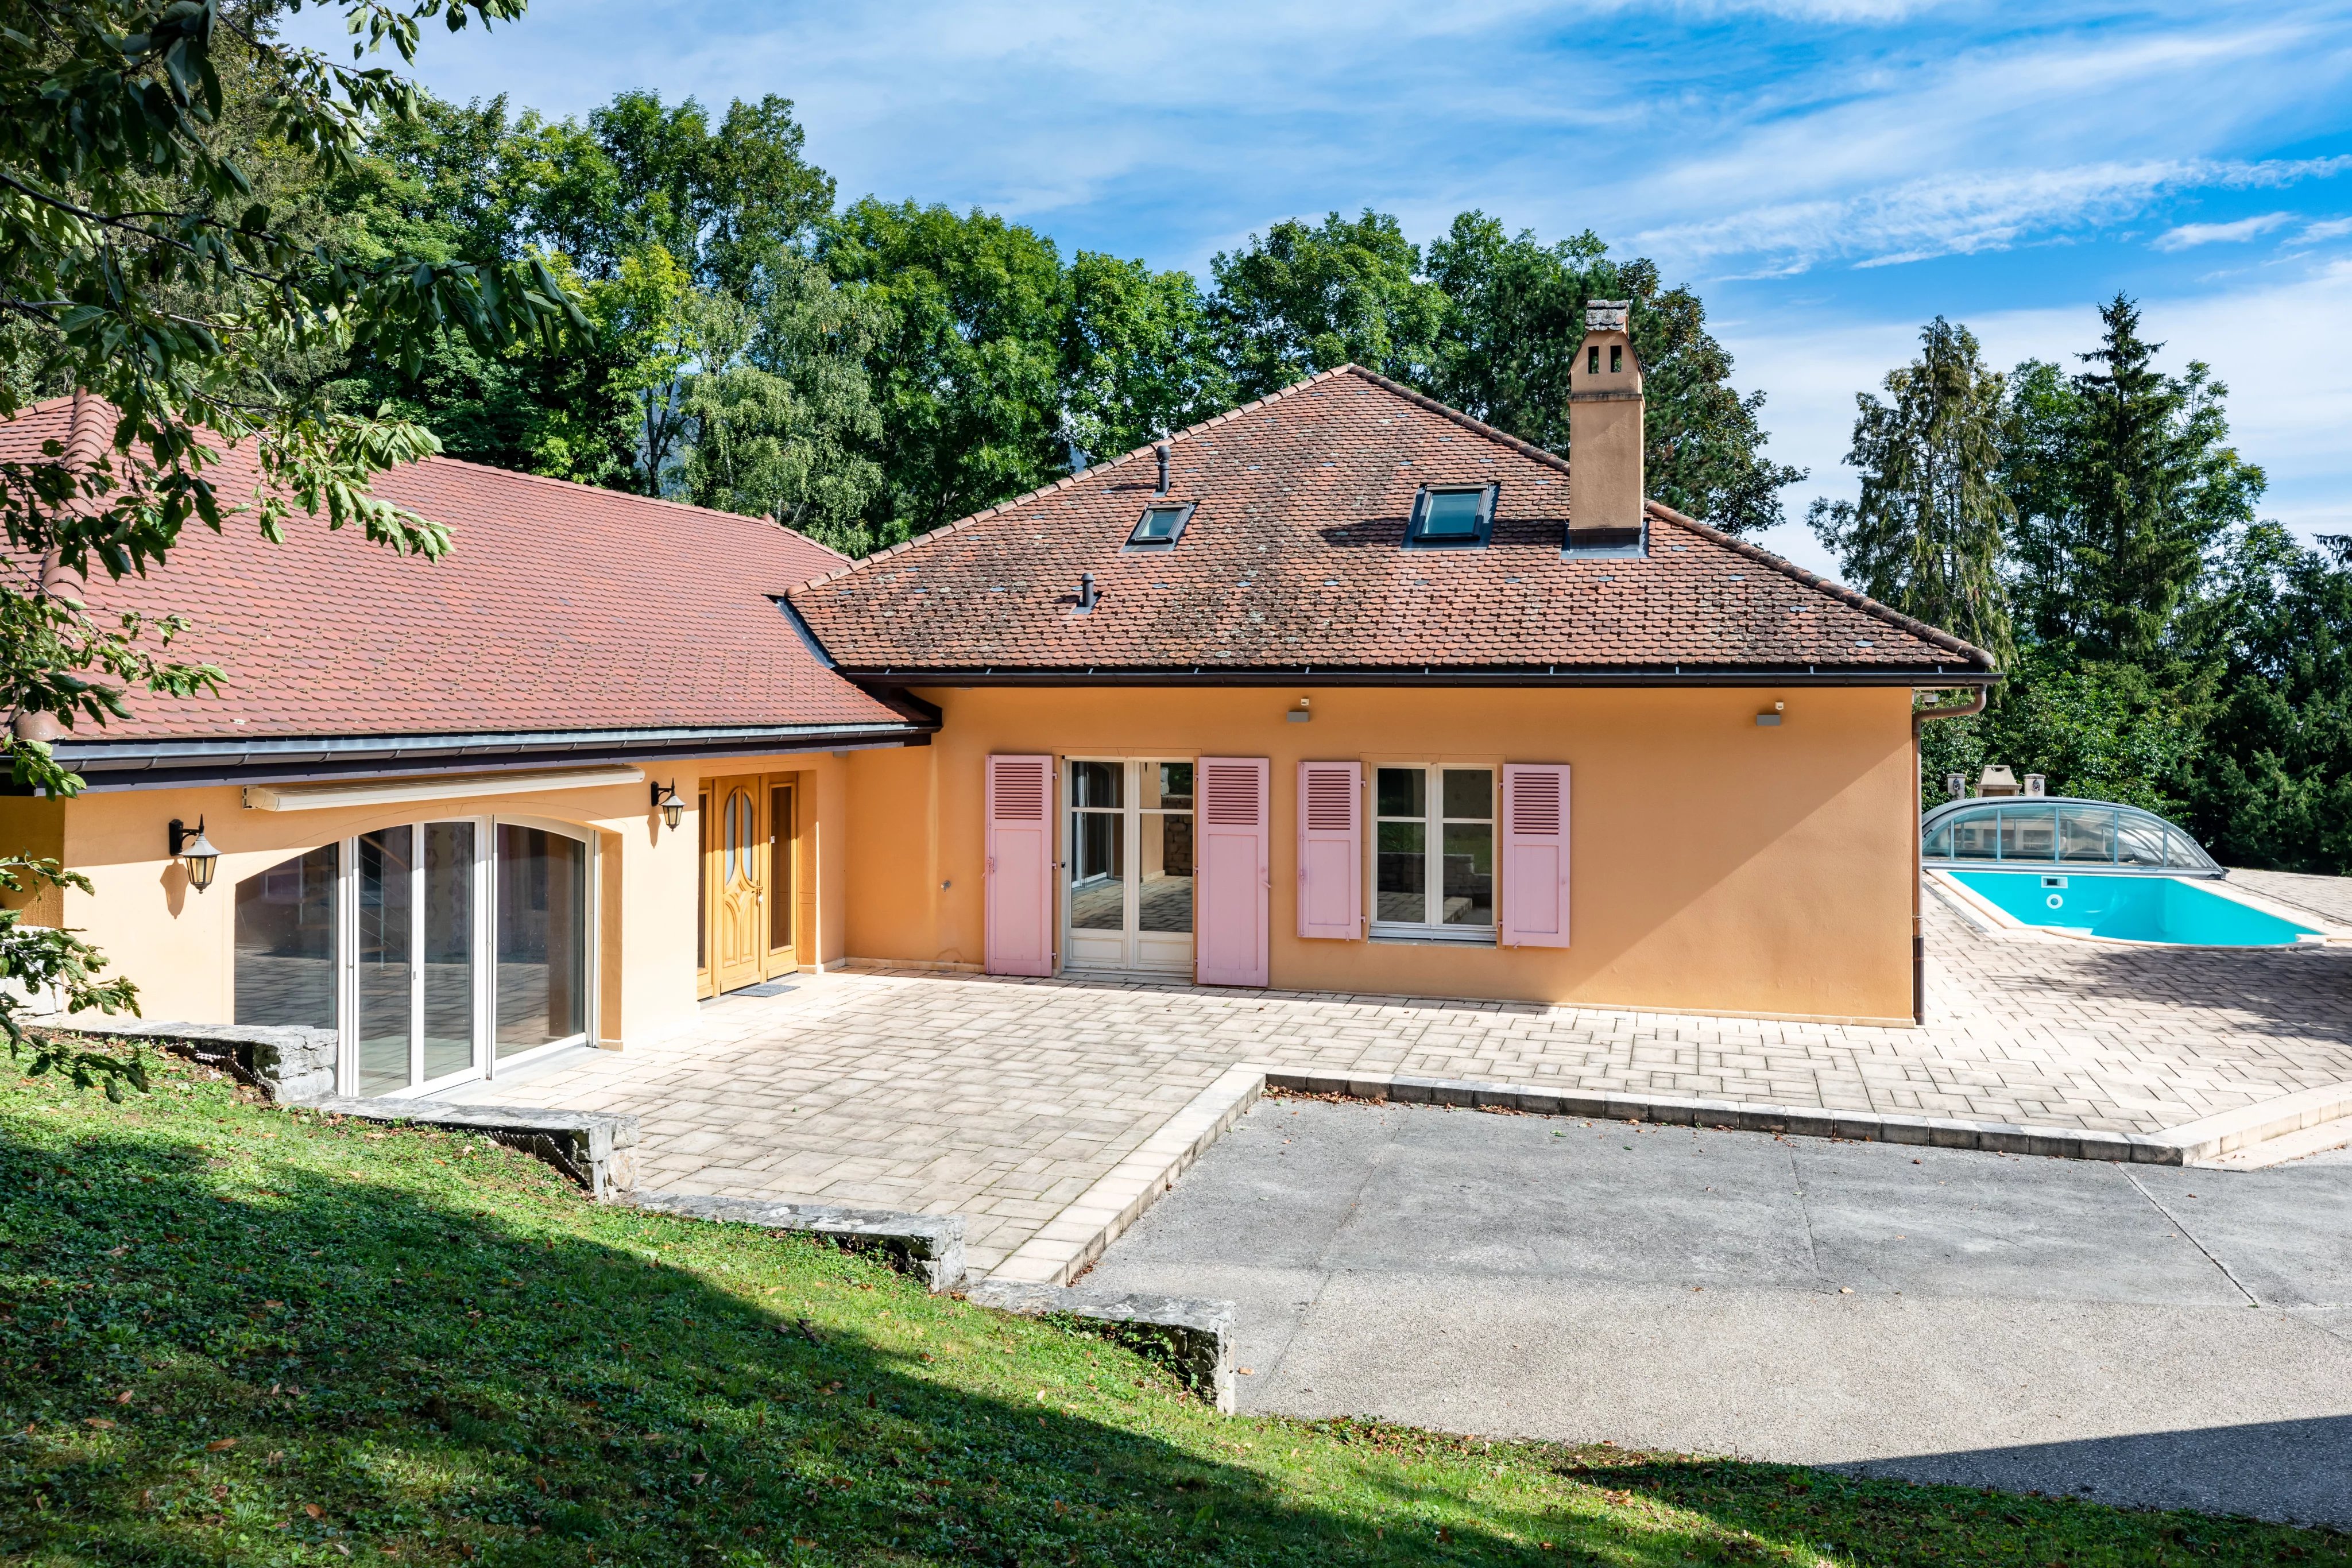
pixel 1008 1101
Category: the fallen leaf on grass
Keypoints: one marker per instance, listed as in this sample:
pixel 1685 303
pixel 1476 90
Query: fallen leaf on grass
pixel 99 1421
pixel 220 1444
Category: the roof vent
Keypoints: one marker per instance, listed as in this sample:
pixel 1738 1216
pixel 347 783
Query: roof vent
pixel 1089 596
pixel 1161 450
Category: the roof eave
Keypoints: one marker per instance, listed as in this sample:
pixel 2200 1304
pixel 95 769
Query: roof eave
pixel 1937 677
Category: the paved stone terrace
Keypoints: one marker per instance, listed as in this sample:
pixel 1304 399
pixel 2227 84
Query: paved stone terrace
pixel 1003 1099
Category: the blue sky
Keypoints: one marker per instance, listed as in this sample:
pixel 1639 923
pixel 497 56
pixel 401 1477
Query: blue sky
pixel 1828 173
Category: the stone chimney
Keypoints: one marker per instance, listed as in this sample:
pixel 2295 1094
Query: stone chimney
pixel 1604 423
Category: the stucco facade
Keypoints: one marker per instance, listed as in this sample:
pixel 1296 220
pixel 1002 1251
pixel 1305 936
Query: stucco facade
pixel 1717 865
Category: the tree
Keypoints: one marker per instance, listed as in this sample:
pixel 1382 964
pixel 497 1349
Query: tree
pixel 139 266
pixel 2125 479
pixel 964 358
pixel 1514 320
pixel 1928 534
pixel 781 414
pixel 1304 298
pixel 1138 355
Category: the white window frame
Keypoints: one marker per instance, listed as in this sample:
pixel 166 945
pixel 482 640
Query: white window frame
pixel 1433 822
pixel 1154 954
pixel 486 1063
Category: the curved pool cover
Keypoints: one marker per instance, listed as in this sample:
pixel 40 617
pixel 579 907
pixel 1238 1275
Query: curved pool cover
pixel 2131 908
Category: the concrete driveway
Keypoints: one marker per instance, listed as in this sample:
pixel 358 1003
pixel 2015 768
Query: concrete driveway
pixel 2146 1335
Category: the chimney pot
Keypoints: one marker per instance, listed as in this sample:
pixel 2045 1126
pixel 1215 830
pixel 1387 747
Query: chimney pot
pixel 1088 596
pixel 1161 450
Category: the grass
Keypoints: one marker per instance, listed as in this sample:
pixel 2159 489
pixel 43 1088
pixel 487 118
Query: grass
pixel 236 1335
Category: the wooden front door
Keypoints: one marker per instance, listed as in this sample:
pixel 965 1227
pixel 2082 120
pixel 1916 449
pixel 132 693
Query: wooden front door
pixel 750 914
pixel 737 869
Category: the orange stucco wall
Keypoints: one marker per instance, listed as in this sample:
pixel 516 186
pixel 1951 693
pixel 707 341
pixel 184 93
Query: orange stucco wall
pixel 1717 865
pixel 177 943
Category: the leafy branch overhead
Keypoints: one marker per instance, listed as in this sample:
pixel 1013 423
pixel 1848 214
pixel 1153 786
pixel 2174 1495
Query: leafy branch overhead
pixel 144 268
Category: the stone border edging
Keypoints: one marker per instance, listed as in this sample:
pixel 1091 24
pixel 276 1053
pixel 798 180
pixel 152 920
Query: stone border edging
pixel 930 1245
pixel 1192 1337
pixel 595 1148
pixel 291 1064
pixel 1066 1244
pixel 2191 1143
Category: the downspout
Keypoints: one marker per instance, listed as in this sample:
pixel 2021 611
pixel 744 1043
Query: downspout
pixel 1920 718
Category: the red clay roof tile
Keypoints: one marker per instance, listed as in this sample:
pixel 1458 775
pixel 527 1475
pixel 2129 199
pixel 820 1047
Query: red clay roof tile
pixel 560 607
pixel 1294 559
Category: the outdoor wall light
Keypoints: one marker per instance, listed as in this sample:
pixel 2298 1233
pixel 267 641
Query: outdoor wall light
pixel 191 849
pixel 673 809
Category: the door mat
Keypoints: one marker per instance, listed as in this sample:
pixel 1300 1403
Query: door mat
pixel 764 988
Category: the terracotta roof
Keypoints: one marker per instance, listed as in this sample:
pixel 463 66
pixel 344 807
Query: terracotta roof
pixel 559 608
pixel 1293 560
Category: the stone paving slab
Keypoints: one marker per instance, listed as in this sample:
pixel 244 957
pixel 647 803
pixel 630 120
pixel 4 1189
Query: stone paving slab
pixel 1006 1100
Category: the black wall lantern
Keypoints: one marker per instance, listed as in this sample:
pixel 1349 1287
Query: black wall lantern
pixel 673 809
pixel 190 847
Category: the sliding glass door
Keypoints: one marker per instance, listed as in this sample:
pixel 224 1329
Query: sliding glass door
pixel 439 949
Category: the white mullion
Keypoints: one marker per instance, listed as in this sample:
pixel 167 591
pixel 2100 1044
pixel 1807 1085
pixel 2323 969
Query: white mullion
pixel 1131 865
pixel 486 934
pixel 347 965
pixel 415 954
pixel 1432 823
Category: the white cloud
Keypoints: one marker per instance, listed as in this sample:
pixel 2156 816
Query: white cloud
pixel 2331 228
pixel 2188 235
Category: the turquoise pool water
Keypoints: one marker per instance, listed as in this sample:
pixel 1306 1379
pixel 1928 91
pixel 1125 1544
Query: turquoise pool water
pixel 2133 908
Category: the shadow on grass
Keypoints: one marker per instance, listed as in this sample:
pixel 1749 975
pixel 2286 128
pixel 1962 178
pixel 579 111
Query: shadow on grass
pixel 341 1343
pixel 473 1365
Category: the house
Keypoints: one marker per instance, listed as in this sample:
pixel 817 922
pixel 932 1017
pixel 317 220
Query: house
pixel 1341 691
pixel 436 788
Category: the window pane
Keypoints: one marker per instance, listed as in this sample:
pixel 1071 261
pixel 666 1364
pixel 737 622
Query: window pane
pixel 1453 514
pixel 781 896
pixel 286 942
pixel 448 948
pixel 702 882
pixel 1165 899
pixel 1159 523
pixel 2140 840
pixel 1470 792
pixel 1401 872
pixel 2028 833
pixel 1097 783
pixel 2180 850
pixel 1939 844
pixel 542 938
pixel 1168 785
pixel 1469 874
pixel 2085 835
pixel 386 924
pixel 1403 791
pixel 1975 838
pixel 1098 870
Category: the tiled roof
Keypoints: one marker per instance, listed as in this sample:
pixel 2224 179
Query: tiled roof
pixel 1294 560
pixel 561 607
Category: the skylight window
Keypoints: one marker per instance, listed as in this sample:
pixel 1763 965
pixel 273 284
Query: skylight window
pixel 1455 518
pixel 1161 527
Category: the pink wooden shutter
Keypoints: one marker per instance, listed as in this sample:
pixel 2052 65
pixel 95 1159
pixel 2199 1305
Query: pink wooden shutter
pixel 1234 870
pixel 1020 866
pixel 1330 849
pixel 1535 854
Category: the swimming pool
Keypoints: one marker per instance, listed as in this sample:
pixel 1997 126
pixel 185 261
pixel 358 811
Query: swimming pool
pixel 2130 908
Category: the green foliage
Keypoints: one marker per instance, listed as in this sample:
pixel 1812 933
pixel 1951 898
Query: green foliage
pixel 1929 534
pixel 144 264
pixel 965 356
pixel 231 1334
pixel 1138 355
pixel 2123 480
pixel 1514 320
pixel 2104 730
pixel 1304 298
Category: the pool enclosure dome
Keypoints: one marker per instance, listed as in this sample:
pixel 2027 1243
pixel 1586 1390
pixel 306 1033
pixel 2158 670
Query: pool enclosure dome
pixel 2040 831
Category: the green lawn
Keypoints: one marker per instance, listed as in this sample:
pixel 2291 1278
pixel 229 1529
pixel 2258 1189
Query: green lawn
pixel 236 1335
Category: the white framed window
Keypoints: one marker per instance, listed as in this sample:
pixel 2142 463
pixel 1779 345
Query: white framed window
pixel 1433 854
pixel 440 950
pixel 1128 888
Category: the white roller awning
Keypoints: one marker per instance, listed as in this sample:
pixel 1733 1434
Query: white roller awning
pixel 442 787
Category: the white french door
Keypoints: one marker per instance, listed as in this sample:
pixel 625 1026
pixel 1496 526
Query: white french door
pixel 438 950
pixel 1128 867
